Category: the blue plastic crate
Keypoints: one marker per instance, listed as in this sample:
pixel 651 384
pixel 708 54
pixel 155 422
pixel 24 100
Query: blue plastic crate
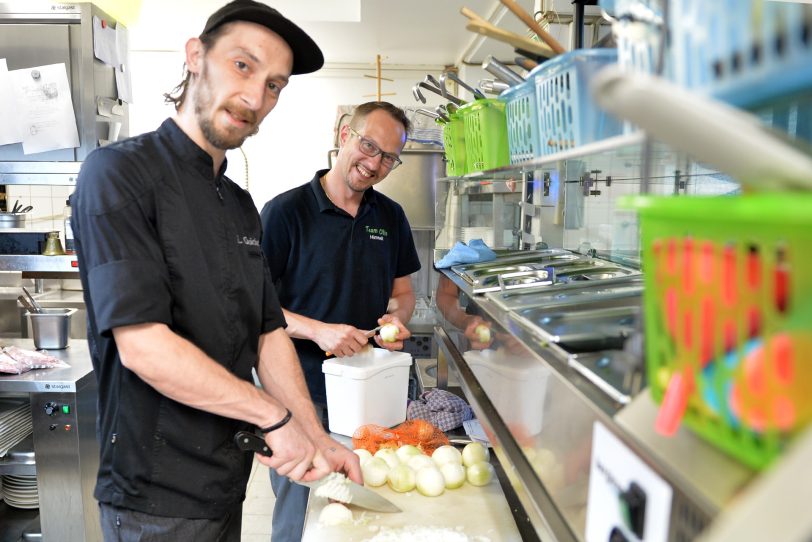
pixel 522 120
pixel 744 52
pixel 568 116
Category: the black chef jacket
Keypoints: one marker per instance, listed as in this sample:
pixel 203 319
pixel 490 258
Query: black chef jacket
pixel 161 239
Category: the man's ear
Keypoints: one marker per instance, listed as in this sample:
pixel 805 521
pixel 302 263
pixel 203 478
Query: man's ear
pixel 194 55
pixel 343 135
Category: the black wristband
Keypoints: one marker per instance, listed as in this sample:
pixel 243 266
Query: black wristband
pixel 278 424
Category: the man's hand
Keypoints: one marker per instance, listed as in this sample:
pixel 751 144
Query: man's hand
pixel 474 336
pixel 341 459
pixel 294 455
pixel 340 339
pixel 403 333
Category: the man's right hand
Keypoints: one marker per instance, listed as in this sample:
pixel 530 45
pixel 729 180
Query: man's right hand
pixel 294 455
pixel 341 339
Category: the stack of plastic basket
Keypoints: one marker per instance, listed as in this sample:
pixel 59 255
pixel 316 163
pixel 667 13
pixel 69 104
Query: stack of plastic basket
pixel 742 52
pixel 454 144
pixel 486 142
pixel 728 318
pixel 567 115
pixel 521 115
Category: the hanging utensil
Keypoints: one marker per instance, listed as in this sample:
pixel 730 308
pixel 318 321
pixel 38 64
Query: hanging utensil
pixel 418 95
pixel 437 91
pixel 358 494
pixel 453 76
pixel 427 113
pixel 34 303
pixel 713 132
pixel 534 26
pixel 491 86
pixel 526 63
pixel 441 113
pixel 501 72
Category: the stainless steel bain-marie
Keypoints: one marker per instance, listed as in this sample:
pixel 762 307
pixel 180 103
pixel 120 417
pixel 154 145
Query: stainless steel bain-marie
pixel 542 268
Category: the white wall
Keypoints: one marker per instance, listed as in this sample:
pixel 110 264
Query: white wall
pixel 294 139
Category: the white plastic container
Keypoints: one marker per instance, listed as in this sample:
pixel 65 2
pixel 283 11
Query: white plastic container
pixel 372 387
pixel 516 385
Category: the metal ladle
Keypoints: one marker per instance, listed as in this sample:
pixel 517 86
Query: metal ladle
pixel 453 76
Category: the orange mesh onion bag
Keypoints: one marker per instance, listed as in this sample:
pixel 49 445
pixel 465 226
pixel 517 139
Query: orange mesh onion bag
pixel 416 432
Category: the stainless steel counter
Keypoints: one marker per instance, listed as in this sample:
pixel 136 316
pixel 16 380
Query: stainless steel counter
pixel 66 453
pixel 540 410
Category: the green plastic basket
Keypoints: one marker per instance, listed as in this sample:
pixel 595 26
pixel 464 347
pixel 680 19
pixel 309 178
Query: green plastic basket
pixel 728 284
pixel 454 143
pixel 486 140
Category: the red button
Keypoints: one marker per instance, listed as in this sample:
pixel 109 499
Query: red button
pixel 67 428
pixel 104 23
pixel 74 263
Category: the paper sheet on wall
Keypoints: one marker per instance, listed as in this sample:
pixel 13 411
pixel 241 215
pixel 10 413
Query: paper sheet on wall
pixel 104 43
pixel 45 108
pixel 10 127
pixel 123 77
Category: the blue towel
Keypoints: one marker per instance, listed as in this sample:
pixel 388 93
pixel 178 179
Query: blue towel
pixel 475 251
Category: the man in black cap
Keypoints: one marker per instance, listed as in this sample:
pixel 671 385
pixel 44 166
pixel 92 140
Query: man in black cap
pixel 180 302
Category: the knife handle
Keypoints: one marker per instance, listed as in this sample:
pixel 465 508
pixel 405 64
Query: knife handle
pixel 251 442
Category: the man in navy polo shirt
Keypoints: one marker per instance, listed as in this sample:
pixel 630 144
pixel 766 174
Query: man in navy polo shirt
pixel 181 306
pixel 340 255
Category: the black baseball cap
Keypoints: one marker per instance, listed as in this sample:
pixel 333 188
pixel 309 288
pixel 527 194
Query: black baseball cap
pixel 307 56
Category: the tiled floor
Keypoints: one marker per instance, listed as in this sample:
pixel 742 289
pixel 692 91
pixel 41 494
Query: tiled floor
pixel 258 506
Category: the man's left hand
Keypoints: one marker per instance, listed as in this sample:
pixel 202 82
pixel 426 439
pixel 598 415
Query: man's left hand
pixel 341 459
pixel 403 333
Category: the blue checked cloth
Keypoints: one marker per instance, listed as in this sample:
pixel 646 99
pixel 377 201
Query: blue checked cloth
pixel 440 408
pixel 475 251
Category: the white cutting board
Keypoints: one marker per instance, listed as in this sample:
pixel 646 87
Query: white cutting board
pixel 476 511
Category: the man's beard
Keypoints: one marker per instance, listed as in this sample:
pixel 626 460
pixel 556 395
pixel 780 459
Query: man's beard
pixel 220 139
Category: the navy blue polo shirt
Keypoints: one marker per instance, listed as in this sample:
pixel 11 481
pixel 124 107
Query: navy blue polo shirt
pixel 332 267
pixel 162 239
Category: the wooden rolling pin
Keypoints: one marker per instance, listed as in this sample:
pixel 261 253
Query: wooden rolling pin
pixel 534 26
pixel 481 26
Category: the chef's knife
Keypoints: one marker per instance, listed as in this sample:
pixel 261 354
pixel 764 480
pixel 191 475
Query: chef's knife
pixel 359 495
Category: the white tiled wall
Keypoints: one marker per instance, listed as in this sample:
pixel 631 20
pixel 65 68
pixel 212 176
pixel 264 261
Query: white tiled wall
pixel 48 204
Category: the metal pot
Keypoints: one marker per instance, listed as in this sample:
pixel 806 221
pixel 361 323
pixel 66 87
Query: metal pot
pixel 12 220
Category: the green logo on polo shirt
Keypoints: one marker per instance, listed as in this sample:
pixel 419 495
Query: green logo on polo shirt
pixel 376 233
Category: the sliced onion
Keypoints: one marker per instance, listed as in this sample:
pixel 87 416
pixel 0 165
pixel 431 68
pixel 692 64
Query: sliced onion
pixel 430 481
pixel 453 474
pixel 374 471
pixel 407 451
pixel 401 478
pixel 363 455
pixel 446 454
pixel 479 474
pixel 474 452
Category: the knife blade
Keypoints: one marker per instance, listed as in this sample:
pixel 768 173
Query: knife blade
pixel 359 495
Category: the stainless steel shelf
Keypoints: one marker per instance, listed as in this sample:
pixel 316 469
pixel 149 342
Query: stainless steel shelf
pixel 41 266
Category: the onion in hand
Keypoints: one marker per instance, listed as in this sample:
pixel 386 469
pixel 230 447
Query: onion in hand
pixel 389 333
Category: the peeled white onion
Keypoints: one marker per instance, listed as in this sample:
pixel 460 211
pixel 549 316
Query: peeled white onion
pixel 335 514
pixel 389 333
pixel 374 471
pixel 407 451
pixel 430 481
pixel 446 454
pixel 417 462
pixel 453 474
pixel 483 332
pixel 479 474
pixel 389 455
pixel 363 455
pixel 474 452
pixel 401 478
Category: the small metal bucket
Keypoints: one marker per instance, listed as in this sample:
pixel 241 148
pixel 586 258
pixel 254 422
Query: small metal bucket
pixel 51 328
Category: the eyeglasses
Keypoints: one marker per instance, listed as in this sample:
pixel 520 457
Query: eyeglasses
pixel 369 148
